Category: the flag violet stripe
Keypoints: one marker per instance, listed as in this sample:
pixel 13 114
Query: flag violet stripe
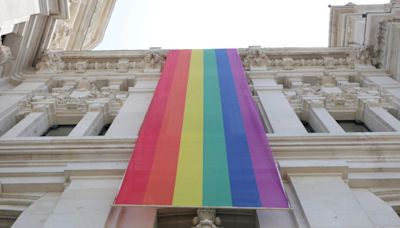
pixel 243 183
pixel 189 177
pixel 216 188
pixel 268 182
pixel 161 182
pixel 133 187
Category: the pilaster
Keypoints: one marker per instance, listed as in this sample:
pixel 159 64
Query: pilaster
pixel 37 213
pixel 319 118
pixel 323 195
pixel 92 122
pixel 375 117
pixel 281 116
pixel 124 217
pixel 35 123
pixel 84 203
pixel 8 112
pixel 131 115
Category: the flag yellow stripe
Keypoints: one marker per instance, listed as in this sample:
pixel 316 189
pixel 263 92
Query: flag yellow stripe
pixel 189 177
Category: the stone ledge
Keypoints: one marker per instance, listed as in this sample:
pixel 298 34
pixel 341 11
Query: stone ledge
pixel 313 167
pixel 32 184
pixel 374 180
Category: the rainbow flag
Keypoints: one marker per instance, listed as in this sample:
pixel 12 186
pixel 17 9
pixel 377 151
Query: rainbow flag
pixel 202 143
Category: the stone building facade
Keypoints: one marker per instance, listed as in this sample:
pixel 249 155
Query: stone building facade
pixel 69 119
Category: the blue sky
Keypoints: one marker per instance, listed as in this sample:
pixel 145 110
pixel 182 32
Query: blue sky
pixel 178 24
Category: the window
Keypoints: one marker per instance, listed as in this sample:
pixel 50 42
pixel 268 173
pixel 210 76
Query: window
pixel 104 130
pixel 59 130
pixel 353 126
pixel 308 127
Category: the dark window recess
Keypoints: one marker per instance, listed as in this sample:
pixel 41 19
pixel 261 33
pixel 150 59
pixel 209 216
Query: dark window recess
pixel 104 129
pixel 308 127
pixel 353 126
pixel 59 130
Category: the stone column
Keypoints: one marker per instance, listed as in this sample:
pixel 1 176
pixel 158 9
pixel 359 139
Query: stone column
pixel 84 203
pixel 328 200
pixel 377 118
pixel 124 217
pixel 92 122
pixel 276 218
pixel 319 118
pixel 8 112
pixel 379 212
pixel 323 195
pixel 130 117
pixel 281 117
pixel 37 213
pixel 34 124
pixel 127 123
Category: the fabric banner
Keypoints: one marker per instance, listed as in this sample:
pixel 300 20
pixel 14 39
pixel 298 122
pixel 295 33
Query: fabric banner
pixel 202 143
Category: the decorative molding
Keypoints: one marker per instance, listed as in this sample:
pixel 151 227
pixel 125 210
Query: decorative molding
pixel 255 58
pixel 364 55
pixel 64 62
pixel 335 93
pixel 76 97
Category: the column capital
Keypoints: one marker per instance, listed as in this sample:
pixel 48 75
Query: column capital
pixel 309 102
pixel 362 102
pixel 100 106
pixel 48 107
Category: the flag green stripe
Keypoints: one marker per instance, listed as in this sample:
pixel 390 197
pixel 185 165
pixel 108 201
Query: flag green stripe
pixel 216 187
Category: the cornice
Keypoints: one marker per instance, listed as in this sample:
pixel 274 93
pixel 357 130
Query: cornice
pixel 149 61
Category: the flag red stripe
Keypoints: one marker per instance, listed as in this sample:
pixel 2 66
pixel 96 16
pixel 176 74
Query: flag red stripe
pixel 133 187
pixel 160 188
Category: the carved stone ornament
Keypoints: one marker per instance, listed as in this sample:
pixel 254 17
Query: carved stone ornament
pixel 60 35
pixel 335 93
pixel 260 59
pixel 363 54
pixel 206 218
pixel 5 54
pixel 75 97
pixel 391 5
pixel 55 62
pixel 152 61
pixel 50 62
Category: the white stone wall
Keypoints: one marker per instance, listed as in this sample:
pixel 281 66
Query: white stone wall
pixel 360 170
pixel 332 178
